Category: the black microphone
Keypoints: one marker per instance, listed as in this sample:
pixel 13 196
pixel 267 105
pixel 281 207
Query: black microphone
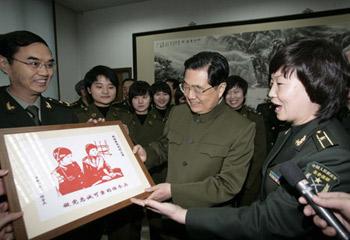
pixel 296 178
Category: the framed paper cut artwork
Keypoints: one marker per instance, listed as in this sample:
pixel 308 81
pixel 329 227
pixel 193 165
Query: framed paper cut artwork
pixel 63 176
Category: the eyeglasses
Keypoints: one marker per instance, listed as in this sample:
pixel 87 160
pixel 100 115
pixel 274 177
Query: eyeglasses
pixel 36 65
pixel 185 88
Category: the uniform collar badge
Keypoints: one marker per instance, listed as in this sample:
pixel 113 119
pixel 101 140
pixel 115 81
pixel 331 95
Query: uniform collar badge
pixel 48 105
pixel 321 178
pixel 10 107
pixel 300 141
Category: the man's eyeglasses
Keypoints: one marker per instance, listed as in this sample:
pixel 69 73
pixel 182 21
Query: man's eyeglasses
pixel 36 65
pixel 185 88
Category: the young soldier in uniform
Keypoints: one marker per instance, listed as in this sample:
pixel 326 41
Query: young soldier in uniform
pixel 308 85
pixel 208 146
pixel 102 86
pixel 235 94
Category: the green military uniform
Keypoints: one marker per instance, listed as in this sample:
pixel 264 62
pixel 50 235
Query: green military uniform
pixel 124 104
pixel 250 190
pixel 143 134
pixel 52 112
pixel 79 104
pixel 208 155
pixel 322 150
pixel 92 111
pixel 163 115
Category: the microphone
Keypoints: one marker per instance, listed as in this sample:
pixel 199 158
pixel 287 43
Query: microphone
pixel 296 178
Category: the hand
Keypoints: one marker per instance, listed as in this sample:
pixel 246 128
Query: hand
pixel 96 121
pixel 170 210
pixel 2 188
pixel 140 151
pixel 337 201
pixel 125 127
pixel 160 192
pixel 6 231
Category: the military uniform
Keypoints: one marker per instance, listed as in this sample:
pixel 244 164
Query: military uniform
pixel 208 155
pixel 126 223
pixel 91 111
pixel 272 125
pixel 124 104
pixel 52 112
pixel 143 134
pixel 79 104
pixel 322 151
pixel 251 187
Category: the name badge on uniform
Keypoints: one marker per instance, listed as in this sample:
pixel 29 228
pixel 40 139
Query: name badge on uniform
pixel 275 177
pixel 321 178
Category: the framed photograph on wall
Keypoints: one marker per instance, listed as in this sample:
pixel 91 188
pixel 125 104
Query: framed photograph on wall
pixel 64 176
pixel 247 45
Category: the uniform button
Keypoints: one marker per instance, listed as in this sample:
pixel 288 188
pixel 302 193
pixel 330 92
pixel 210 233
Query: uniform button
pixel 184 163
pixel 189 141
pixel 273 128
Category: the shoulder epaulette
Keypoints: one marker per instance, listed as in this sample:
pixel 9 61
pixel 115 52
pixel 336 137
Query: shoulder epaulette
pixel 323 139
pixel 55 101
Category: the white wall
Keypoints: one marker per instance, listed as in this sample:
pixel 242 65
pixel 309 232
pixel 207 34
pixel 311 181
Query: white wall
pixel 67 51
pixel 31 15
pixel 105 35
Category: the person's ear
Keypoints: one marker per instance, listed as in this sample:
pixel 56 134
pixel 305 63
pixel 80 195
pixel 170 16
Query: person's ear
pixel 222 88
pixel 89 90
pixel 4 64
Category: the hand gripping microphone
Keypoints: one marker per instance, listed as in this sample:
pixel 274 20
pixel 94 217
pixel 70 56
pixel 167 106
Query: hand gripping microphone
pixel 295 177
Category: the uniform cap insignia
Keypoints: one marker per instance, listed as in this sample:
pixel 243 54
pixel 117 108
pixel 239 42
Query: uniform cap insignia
pixel 321 178
pixel 10 107
pixel 300 141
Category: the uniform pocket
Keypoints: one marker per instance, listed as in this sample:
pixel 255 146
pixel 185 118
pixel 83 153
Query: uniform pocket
pixel 213 150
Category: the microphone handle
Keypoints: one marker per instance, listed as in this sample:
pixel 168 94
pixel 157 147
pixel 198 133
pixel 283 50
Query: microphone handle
pixel 325 213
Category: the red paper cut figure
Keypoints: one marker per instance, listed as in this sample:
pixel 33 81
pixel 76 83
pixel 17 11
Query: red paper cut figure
pixel 69 175
pixel 96 169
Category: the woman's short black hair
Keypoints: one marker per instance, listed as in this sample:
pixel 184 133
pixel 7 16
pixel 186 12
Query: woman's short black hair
pixel 236 81
pixel 139 88
pixel 321 67
pixel 161 86
pixel 92 74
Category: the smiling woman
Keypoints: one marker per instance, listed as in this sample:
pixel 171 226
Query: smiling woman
pixel 102 85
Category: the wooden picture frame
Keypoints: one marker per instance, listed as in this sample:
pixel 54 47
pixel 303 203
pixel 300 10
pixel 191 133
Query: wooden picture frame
pixel 44 181
pixel 248 45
